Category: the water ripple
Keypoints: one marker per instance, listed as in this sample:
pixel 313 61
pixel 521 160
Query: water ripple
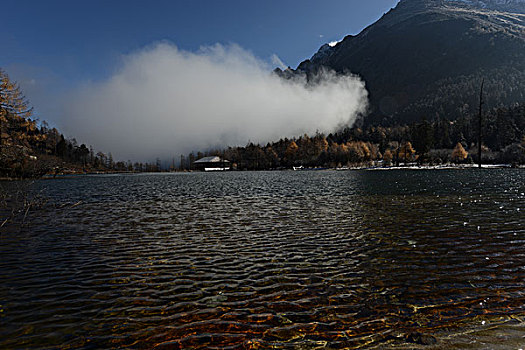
pixel 260 260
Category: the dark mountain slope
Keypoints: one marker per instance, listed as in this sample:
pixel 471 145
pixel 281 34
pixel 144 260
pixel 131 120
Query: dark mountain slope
pixel 426 58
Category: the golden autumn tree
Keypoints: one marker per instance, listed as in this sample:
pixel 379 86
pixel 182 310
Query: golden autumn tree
pixel 12 100
pixel 358 151
pixel 459 154
pixel 291 152
pixel 322 145
pixel 406 152
pixel 14 109
pixel 19 135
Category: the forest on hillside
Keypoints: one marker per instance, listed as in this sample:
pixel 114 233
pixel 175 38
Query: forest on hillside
pixel 30 149
pixel 440 141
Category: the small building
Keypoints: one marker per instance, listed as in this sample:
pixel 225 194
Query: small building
pixel 214 163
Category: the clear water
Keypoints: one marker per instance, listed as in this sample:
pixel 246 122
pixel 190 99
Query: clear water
pixel 300 260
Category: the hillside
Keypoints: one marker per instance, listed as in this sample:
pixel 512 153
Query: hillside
pixel 29 149
pixel 427 58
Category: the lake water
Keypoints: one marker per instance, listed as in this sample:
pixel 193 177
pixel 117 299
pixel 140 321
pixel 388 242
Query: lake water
pixel 292 260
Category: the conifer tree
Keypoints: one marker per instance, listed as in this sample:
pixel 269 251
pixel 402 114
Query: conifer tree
pixel 14 107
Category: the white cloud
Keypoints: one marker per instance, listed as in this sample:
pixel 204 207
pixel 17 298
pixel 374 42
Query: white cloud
pixel 165 101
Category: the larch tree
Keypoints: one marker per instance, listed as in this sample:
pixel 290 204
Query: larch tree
pixel 291 152
pixel 406 152
pixel 459 154
pixel 14 107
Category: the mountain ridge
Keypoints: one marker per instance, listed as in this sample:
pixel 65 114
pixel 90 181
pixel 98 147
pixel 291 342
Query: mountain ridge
pixel 427 58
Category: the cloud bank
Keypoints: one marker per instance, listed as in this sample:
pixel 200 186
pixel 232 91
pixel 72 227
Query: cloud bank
pixel 164 102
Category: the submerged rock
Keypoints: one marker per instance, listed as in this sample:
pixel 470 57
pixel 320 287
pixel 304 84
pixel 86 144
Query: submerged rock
pixel 422 339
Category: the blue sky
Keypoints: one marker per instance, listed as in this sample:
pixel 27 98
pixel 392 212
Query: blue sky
pixel 53 47
pixel 84 40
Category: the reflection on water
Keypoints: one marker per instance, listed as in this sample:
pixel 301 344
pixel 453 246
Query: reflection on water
pixel 258 260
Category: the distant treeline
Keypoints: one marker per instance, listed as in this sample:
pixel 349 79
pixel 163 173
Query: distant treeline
pixel 425 142
pixel 32 149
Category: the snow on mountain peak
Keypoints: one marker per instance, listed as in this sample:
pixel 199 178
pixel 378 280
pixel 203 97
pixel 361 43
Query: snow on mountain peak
pixel 504 5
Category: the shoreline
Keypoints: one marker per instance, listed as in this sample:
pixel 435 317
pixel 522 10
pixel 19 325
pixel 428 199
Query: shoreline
pixel 506 333
pixel 448 167
pixel 357 168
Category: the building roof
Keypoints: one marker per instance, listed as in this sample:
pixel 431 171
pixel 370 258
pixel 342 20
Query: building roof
pixel 214 159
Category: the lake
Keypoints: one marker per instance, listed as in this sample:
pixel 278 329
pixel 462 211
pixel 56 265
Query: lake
pixel 247 260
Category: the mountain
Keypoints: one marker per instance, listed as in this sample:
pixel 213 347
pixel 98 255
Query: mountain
pixel 427 58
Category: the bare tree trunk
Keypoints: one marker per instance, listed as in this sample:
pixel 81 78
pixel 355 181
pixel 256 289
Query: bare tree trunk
pixel 479 122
